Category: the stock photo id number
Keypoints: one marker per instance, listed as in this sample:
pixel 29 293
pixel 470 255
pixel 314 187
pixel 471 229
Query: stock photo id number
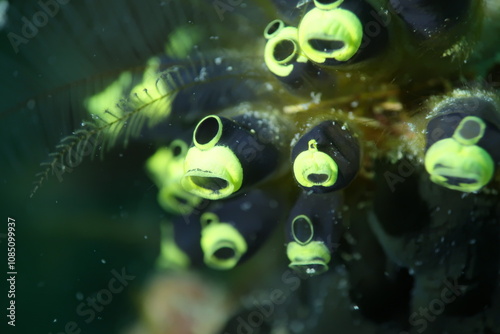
pixel 11 270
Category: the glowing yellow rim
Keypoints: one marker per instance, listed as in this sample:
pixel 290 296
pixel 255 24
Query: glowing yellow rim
pixel 314 253
pixel 330 25
pixel 313 161
pixel 281 25
pixel 454 156
pixel 214 140
pixel 216 235
pixel 181 144
pixel 217 162
pixel 469 141
pixel 166 170
pixel 284 67
pixel 310 225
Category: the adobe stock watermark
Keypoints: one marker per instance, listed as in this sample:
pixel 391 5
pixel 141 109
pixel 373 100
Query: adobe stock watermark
pixel 265 308
pixel 31 26
pixel 223 6
pixel 95 304
pixel 405 169
pixel 424 315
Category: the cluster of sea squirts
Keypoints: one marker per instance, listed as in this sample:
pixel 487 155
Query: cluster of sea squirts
pixel 356 67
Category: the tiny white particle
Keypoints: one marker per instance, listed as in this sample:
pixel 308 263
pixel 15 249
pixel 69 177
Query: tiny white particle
pixel 315 98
